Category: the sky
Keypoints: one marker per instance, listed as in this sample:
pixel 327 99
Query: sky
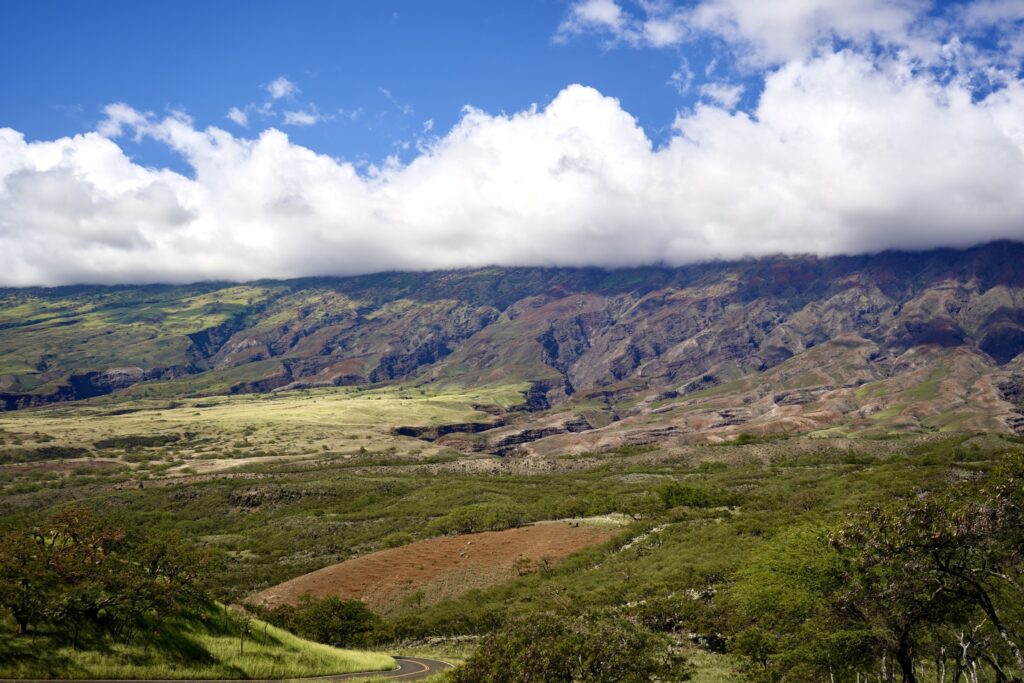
pixel 176 142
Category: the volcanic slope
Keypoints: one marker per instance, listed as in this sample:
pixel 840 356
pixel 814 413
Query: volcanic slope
pixel 926 341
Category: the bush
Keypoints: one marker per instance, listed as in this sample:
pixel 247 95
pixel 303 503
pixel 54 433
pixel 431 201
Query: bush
pixel 131 441
pixel 481 517
pixel 43 453
pixel 329 620
pixel 548 648
pixel 397 539
pixel 678 495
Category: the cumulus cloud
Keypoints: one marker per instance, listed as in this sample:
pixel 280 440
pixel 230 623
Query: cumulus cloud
pixel 842 154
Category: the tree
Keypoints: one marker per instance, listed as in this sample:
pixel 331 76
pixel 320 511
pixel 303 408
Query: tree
pixel 25 588
pixel 936 578
pixel 952 563
pixel 79 571
pixel 789 628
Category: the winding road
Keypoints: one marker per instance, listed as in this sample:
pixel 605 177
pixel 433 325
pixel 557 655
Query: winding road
pixel 409 669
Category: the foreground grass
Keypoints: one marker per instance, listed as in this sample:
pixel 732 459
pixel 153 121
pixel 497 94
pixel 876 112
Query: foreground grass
pixel 208 645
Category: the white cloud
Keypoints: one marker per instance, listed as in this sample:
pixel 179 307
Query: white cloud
pixel 281 87
pixel 590 15
pixel 842 155
pixel 303 117
pixel 682 78
pixel 662 31
pixel 777 32
pixel 725 94
pixel 772 33
pixel 238 116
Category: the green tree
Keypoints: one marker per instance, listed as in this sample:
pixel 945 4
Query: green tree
pixel 790 628
pixel 80 571
pixel 936 578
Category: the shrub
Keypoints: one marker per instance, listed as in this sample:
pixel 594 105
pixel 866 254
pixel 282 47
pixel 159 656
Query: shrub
pixel 675 494
pixel 480 517
pixel 137 441
pixel 329 620
pixel 549 648
pixel 397 539
pixel 43 453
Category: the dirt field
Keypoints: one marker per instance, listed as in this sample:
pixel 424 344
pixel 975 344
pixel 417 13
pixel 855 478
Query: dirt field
pixel 429 571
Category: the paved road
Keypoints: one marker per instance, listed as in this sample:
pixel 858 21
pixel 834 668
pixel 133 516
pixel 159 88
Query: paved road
pixel 409 669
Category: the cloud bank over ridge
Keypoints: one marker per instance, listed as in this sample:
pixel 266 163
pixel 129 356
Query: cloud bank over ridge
pixel 845 152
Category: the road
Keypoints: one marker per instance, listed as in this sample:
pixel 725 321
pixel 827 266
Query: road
pixel 409 669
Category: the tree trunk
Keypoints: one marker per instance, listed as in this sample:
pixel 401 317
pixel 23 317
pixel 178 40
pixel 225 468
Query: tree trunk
pixel 905 658
pixel 989 608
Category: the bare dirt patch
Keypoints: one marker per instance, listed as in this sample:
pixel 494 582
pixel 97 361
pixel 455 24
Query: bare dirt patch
pixel 430 571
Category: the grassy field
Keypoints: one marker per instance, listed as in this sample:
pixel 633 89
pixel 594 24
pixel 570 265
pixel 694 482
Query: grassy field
pixel 213 433
pixel 207 645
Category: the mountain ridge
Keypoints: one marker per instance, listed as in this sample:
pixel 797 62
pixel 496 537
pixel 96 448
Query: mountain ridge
pixel 621 338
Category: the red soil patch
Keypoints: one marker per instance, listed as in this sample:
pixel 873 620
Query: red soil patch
pixel 429 571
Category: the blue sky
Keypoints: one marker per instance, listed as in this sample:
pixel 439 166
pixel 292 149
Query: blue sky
pixel 66 60
pixel 172 142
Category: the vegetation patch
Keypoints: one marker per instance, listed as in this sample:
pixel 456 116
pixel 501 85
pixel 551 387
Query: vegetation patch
pixel 134 441
pixel 43 454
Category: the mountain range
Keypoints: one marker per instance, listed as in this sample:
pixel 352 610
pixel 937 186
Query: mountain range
pixel 873 345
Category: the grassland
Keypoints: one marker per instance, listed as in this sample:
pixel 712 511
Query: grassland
pixel 211 644
pixel 212 433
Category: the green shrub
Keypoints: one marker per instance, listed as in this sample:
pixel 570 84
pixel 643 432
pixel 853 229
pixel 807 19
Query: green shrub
pixel 675 494
pixel 329 620
pixel 43 453
pixel 131 441
pixel 397 539
pixel 549 648
pixel 480 517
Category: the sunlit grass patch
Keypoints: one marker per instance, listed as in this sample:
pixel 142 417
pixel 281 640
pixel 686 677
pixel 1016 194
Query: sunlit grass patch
pixel 205 645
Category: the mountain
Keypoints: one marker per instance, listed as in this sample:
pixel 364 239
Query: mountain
pixel 867 345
